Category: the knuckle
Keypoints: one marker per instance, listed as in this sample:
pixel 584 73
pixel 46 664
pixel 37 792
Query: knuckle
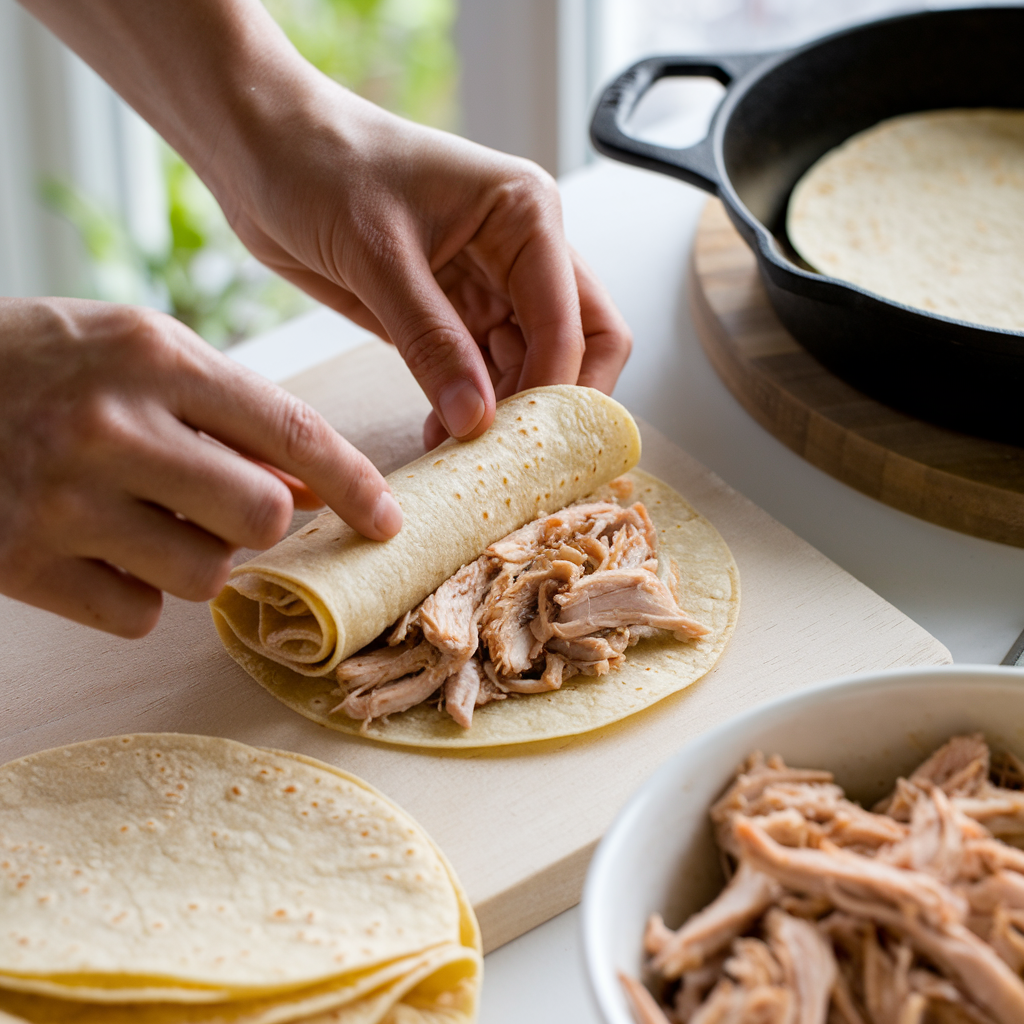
pixel 302 429
pixel 54 320
pixel 530 188
pixel 100 421
pixel 93 436
pixel 150 335
pixel 67 433
pixel 149 326
pixel 360 488
pixel 429 348
pixel 154 345
pixel 535 176
pixel 157 342
pixel 126 333
pixel 611 339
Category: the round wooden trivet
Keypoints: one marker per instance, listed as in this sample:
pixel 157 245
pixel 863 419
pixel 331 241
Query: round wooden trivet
pixel 964 483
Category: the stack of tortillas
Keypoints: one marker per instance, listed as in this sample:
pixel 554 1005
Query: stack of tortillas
pixel 165 878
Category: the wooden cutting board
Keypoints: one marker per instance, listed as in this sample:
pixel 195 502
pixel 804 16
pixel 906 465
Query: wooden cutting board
pixel 962 482
pixel 518 824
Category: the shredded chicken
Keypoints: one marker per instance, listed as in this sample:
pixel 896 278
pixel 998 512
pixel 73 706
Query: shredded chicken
pixel 462 692
pixel 909 914
pixel 747 896
pixel 565 595
pixel 642 1003
pixel 808 963
pixel 621 597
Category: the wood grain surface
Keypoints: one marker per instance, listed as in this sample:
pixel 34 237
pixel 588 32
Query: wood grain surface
pixel 961 482
pixel 519 824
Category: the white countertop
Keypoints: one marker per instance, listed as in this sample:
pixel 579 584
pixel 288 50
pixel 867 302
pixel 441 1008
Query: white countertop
pixel 636 229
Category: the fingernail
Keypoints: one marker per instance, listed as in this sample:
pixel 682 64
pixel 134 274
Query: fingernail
pixel 461 407
pixel 387 516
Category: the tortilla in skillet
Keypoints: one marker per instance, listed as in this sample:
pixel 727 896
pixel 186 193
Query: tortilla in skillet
pixel 926 209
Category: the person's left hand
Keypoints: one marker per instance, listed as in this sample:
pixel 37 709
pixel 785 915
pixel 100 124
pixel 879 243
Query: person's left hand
pixel 453 252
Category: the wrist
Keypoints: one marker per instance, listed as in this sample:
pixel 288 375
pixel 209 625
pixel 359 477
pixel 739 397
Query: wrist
pixel 213 77
pixel 276 123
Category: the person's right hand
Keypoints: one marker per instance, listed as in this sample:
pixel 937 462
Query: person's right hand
pixel 120 472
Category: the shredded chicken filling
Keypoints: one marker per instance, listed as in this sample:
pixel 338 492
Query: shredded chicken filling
pixel 565 595
pixel 912 913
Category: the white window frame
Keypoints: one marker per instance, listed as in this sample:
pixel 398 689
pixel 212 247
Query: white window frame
pixel 527 78
pixel 59 119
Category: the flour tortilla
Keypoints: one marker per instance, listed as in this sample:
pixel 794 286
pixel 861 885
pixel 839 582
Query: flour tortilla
pixel 926 209
pixel 185 867
pixel 708 589
pixel 447 978
pixel 325 592
pixel 442 993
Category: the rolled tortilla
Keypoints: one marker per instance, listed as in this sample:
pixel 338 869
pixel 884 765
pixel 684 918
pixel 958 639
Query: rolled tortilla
pixel 325 592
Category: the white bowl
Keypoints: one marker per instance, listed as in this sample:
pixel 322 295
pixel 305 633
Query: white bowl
pixel 868 729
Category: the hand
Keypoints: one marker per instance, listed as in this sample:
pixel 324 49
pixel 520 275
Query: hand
pixel 454 252
pixel 120 472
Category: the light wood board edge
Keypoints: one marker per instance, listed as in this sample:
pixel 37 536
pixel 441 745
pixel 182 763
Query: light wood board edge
pixel 517 910
pixel 927 492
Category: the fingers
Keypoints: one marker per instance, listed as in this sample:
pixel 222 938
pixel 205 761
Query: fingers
pixel 542 287
pixel 302 497
pixel 608 339
pixel 115 482
pixel 607 346
pixel 156 547
pixel 433 432
pixel 525 229
pixel 507 348
pixel 569 331
pixel 607 342
pixel 94 594
pixel 231 497
pixel 503 358
pixel 266 423
pixel 435 345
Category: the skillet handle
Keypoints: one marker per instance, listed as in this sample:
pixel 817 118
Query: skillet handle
pixel 693 164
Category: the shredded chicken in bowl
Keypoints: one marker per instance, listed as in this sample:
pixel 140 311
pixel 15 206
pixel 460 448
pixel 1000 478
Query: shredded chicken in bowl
pixel 912 913
pixel 565 595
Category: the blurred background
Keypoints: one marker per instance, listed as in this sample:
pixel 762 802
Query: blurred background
pixel 94 204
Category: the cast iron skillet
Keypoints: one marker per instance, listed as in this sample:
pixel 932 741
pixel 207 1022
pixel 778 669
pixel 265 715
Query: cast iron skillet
pixel 780 113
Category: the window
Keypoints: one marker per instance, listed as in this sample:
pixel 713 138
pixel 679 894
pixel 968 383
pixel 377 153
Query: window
pixel 524 80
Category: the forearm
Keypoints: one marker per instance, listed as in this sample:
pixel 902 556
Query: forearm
pixel 209 75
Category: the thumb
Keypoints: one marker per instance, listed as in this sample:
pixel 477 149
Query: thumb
pixel 436 346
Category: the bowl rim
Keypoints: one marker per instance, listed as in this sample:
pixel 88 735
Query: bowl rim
pixel 601 983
